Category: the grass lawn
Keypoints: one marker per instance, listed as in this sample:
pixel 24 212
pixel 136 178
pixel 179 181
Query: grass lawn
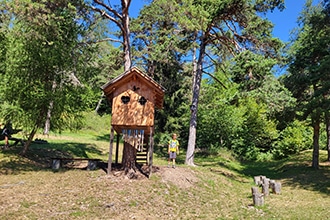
pixel 218 188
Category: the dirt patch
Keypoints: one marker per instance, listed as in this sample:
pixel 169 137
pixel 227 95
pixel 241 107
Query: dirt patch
pixel 180 176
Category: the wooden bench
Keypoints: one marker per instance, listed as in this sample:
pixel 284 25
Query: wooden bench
pixel 92 162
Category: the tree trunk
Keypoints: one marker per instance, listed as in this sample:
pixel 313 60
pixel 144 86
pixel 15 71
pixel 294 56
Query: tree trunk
pixel 29 141
pixel 194 105
pixel 49 112
pixel 316 146
pixel 126 34
pixel 129 156
pixel 98 106
pixel 327 123
pixel 122 21
pixel 48 117
pixel 129 152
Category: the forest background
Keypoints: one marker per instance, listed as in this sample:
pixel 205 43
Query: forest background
pixel 55 56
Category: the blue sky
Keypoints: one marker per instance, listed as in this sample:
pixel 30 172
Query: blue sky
pixel 284 22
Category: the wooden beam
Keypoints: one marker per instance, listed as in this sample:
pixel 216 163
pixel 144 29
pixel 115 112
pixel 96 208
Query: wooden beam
pixel 117 148
pixel 151 150
pixel 110 150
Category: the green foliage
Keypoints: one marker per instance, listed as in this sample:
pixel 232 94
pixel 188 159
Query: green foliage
pixel 296 137
pixel 308 77
pixel 274 95
pixel 257 132
pixel 239 124
pixel 162 52
pixel 43 57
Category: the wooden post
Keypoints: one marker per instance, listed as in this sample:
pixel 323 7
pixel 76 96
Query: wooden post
pixel 257 180
pixel 265 188
pixel 258 198
pixel 110 150
pixel 56 164
pixel 92 164
pixel 271 185
pixel 117 148
pixel 151 150
pixel 277 188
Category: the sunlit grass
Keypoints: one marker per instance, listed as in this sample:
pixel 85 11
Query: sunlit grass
pixel 29 189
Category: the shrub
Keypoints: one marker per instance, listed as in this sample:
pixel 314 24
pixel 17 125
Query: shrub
pixel 293 139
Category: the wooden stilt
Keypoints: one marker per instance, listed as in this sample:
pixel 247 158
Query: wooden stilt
pixel 151 150
pixel 110 150
pixel 117 148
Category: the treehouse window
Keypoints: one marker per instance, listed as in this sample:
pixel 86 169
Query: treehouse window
pixel 142 100
pixel 125 99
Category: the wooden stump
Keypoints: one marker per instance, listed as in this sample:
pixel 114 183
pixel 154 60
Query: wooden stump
pixel 92 164
pixel 277 188
pixel 265 180
pixel 258 198
pixel 56 164
pixel 257 180
pixel 271 184
pixel 265 188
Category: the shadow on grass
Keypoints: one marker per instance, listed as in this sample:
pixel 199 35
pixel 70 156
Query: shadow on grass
pixel 295 171
pixel 105 137
pixel 39 156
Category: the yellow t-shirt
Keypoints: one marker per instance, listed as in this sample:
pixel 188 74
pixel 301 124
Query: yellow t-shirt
pixel 173 144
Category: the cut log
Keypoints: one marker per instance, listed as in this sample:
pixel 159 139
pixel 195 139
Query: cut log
pixel 277 188
pixel 265 188
pixel 56 164
pixel 257 180
pixel 271 185
pixel 258 198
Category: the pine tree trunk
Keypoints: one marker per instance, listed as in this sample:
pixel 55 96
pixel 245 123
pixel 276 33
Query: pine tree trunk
pixel 129 157
pixel 194 105
pixel 327 122
pixel 316 146
pixel 126 34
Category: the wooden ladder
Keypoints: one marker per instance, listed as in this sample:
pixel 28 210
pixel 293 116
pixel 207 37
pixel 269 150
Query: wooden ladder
pixel 142 156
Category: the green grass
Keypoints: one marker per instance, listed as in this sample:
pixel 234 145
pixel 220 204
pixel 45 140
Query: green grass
pixel 218 188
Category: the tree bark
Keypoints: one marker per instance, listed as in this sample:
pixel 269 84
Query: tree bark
pixel 129 152
pixel 98 106
pixel 327 123
pixel 194 104
pixel 129 156
pixel 316 146
pixel 48 117
pixel 126 34
pixel 49 112
pixel 29 140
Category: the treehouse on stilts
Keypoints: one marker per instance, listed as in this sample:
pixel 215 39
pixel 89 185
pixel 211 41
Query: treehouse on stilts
pixel 134 97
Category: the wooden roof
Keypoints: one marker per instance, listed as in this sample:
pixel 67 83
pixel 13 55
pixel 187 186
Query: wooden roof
pixel 132 74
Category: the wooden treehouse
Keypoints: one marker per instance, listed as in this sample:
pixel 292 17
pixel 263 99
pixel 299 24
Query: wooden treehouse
pixel 134 97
